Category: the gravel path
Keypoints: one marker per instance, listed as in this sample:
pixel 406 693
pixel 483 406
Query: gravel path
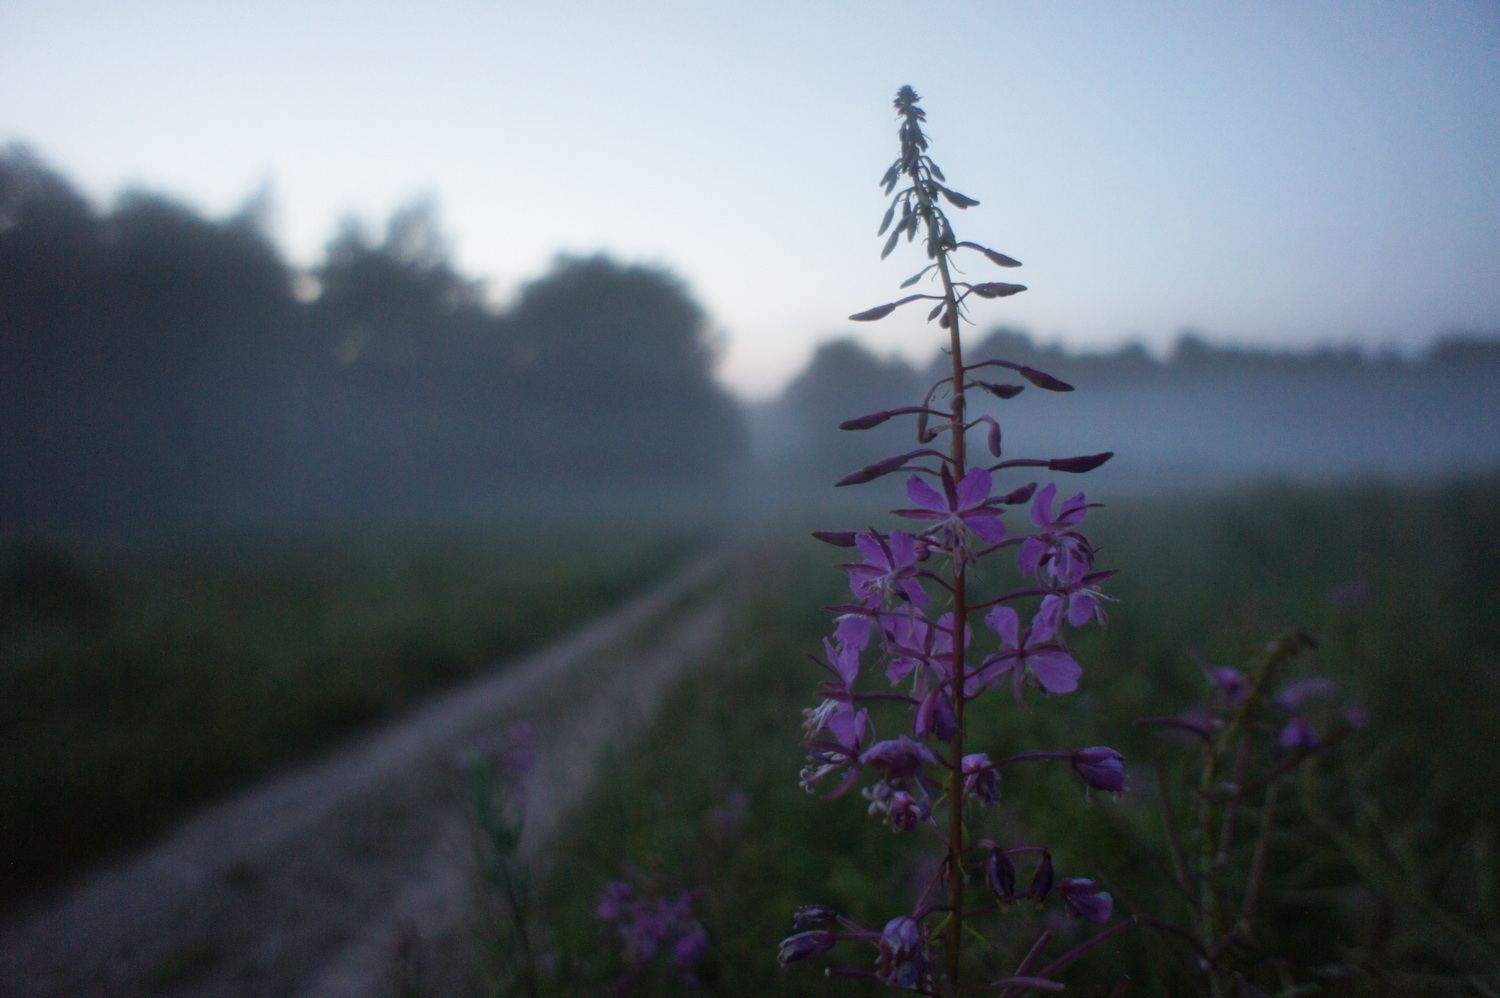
pixel 352 876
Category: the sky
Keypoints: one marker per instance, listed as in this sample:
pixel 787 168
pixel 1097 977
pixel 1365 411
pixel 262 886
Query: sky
pixel 1275 173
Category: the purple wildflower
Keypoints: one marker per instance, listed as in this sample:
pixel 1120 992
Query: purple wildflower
pixel 903 812
pixel 935 717
pixel 911 641
pixel 960 509
pixel 898 758
pixel 1047 665
pixel 613 900
pixel 981 779
pixel 889 572
pixel 1300 692
pixel 1056 546
pixel 1297 736
pixel 903 955
pixel 1077 606
pixel 1085 900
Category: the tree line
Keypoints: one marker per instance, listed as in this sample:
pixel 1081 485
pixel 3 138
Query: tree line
pixel 162 367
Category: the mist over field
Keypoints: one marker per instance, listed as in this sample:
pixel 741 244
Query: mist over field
pixel 166 370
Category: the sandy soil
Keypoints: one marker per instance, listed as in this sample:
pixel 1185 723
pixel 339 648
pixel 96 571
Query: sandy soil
pixel 352 876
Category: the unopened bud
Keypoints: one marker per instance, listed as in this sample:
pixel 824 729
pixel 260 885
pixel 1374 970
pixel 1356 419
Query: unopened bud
pixel 1078 465
pixel 871 314
pixel 805 944
pixel 1101 768
pixel 865 422
pixel 1042 879
pixel 1001 873
pixel 812 914
pixel 838 538
pixel 1043 380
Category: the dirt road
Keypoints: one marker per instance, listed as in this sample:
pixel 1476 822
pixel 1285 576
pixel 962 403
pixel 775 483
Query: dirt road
pixel 353 874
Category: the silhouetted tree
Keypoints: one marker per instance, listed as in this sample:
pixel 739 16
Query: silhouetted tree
pixel 619 366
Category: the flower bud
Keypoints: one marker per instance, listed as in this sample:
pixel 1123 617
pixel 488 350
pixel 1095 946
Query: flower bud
pixel 1042 879
pixel 1085 900
pixel 1000 391
pixel 878 312
pixel 1079 465
pixel 865 422
pixel 1042 379
pixel 838 538
pixel 805 944
pixel 812 914
pixel 1101 768
pixel 1001 873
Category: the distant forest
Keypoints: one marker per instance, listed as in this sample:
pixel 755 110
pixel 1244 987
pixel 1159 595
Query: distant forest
pixel 163 369
pixel 159 369
pixel 1204 416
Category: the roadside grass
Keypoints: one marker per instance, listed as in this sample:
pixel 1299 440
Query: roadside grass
pixel 136 683
pixel 1397 582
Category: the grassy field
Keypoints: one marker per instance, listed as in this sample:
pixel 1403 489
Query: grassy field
pixel 136 683
pixel 1387 886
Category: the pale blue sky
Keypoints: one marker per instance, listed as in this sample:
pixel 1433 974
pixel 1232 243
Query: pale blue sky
pixel 1291 173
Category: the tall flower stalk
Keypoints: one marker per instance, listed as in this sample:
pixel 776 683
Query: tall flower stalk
pixel 914 594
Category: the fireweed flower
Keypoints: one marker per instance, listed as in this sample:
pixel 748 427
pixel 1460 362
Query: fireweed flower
pixel 1077 606
pixel 889 571
pixel 1047 666
pixel 913 642
pixel 1056 546
pixel 981 779
pixel 960 509
pixel 903 954
pixel 899 760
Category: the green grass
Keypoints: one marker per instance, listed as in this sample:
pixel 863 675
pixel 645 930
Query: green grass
pixel 135 684
pixel 1417 792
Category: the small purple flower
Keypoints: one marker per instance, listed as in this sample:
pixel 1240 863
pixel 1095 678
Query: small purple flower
pixel 903 812
pixel 912 641
pixel 1077 606
pixel 1297 736
pixel 805 944
pixel 889 572
pixel 898 758
pixel 1085 900
pixel 1300 692
pixel 1101 768
pixel 903 956
pixel 935 716
pixel 690 947
pixel 981 779
pixel 1049 666
pixel 614 899
pixel 960 509
pixel 1056 546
